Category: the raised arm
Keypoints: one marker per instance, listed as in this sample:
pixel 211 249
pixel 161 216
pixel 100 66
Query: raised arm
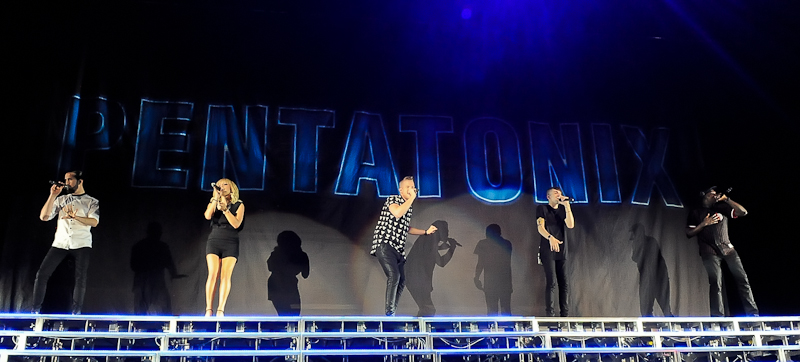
pixel 738 210
pixel 398 210
pixel 569 220
pixel 47 213
pixel 212 206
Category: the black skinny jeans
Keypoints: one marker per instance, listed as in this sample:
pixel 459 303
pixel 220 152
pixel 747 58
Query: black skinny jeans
pixel 555 271
pixel 393 264
pixel 51 260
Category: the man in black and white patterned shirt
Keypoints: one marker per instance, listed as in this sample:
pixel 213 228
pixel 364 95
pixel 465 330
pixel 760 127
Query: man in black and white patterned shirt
pixel 77 213
pixel 389 240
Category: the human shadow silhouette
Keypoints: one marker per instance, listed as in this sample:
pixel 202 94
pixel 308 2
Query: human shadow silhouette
pixel 494 261
pixel 653 273
pixel 150 257
pixel 422 259
pixel 286 261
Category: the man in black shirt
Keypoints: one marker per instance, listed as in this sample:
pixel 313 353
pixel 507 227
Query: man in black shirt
pixel 710 224
pixel 550 221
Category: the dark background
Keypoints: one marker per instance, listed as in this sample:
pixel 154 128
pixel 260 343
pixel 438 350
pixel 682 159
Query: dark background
pixel 721 75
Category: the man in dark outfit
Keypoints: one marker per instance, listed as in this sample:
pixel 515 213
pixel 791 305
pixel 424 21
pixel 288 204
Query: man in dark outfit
pixel 710 224
pixel 550 221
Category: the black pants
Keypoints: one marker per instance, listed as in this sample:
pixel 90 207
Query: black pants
pixel 393 264
pixel 713 264
pixel 51 260
pixel 555 271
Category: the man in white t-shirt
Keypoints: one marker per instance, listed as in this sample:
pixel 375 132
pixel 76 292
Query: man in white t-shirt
pixel 77 213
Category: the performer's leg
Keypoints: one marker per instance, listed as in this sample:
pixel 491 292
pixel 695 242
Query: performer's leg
pixel 225 283
pixel 81 268
pixel 212 260
pixel 742 283
pixel 51 260
pixel 387 258
pixel 712 265
pixel 550 286
pixel 563 287
pixel 401 283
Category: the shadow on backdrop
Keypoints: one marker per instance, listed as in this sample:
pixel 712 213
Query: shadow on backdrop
pixel 653 273
pixel 494 261
pixel 422 260
pixel 150 257
pixel 286 261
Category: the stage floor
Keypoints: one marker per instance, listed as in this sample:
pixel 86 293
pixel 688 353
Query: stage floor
pixel 27 337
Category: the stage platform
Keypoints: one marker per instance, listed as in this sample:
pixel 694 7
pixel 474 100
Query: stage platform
pixel 33 337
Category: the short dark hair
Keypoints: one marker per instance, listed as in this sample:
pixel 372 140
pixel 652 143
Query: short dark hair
pixel 78 174
pixel 703 193
pixel 554 188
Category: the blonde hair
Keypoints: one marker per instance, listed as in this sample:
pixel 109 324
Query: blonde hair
pixel 234 189
pixel 407 178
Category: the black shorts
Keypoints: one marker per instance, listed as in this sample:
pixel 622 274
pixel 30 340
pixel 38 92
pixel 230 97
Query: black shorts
pixel 223 247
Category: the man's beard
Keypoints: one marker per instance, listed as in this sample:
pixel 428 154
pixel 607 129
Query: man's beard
pixel 69 189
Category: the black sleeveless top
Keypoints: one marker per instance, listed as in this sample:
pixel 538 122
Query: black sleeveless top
pixel 220 224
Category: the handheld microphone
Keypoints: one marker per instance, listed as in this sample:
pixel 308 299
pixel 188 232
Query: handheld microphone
pixel 214 186
pixel 568 199
pixel 59 183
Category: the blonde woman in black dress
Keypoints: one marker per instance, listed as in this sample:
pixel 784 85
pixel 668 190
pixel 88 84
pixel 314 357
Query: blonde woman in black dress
pixel 226 213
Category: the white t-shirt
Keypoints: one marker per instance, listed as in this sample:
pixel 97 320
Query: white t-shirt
pixel 71 233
